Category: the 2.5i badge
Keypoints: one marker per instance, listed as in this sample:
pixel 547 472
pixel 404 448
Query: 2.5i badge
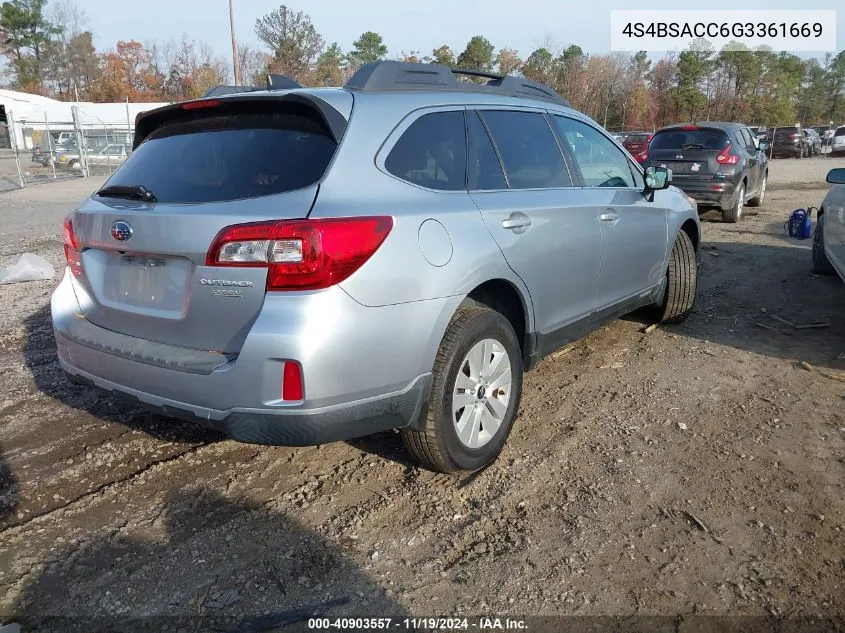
pixel 227 292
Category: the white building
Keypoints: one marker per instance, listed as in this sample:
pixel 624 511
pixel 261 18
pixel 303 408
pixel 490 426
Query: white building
pixel 29 114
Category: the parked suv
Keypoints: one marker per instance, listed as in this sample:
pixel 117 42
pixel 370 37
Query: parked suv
pixel 290 269
pixel 789 141
pixel 814 141
pixel 721 165
pixel 837 141
pixel 637 145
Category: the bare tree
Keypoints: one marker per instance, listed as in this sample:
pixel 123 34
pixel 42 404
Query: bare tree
pixel 293 41
pixel 253 65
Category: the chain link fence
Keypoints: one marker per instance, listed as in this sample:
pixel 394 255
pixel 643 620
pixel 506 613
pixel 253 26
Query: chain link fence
pixel 34 152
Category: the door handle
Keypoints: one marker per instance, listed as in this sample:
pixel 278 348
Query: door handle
pixel 516 221
pixel 609 216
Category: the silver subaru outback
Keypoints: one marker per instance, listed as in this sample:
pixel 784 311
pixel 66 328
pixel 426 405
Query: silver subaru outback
pixel 297 265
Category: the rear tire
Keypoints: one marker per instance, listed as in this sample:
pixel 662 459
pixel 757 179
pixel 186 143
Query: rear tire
pixel 439 445
pixel 821 264
pixel 757 200
pixel 734 213
pixel 681 283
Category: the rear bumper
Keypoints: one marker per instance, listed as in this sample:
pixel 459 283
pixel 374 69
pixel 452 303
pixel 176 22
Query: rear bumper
pixel 297 427
pixel 787 150
pixel 365 369
pixel 706 193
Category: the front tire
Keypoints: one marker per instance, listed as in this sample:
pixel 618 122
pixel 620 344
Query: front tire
pixel 475 393
pixel 734 213
pixel 681 283
pixel 821 264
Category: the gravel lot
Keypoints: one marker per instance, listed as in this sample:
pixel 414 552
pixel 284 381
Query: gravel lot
pixel 693 470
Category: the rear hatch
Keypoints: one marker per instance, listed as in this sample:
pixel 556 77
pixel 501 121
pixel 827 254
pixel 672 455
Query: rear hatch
pixel 786 137
pixel 692 152
pixel 143 239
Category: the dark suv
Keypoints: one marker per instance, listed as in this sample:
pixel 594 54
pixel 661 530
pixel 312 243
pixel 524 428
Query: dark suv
pixel 789 141
pixel 719 164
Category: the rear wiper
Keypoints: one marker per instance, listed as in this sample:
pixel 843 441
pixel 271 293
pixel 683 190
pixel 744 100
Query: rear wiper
pixel 692 146
pixel 133 192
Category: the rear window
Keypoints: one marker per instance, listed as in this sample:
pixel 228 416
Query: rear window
pixel 257 150
pixel 840 131
pixel 690 139
pixel 637 138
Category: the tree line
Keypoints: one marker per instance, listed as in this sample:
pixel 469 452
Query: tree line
pixel 49 50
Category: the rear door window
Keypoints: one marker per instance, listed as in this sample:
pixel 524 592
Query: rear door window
pixel 690 139
pixel 485 170
pixel 432 152
pixel 749 139
pixel 243 151
pixel 529 151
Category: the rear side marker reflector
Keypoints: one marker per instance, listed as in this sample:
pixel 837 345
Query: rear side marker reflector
pixel 292 382
pixel 301 254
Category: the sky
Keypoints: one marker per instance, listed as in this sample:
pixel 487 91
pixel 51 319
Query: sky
pixel 421 25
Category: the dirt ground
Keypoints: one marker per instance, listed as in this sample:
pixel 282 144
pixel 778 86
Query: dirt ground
pixel 694 470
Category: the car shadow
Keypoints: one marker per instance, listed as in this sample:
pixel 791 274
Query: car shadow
pixel 197 562
pixel 10 492
pixel 737 282
pixel 743 291
pixel 41 358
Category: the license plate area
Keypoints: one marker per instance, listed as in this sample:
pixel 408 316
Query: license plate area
pixel 145 281
pixel 679 167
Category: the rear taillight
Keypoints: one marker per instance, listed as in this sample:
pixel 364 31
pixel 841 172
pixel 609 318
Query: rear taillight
pixel 292 381
pixel 74 260
pixel 301 254
pixel 689 128
pixel 642 156
pixel 727 157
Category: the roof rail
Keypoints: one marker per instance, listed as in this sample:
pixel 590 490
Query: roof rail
pixel 394 75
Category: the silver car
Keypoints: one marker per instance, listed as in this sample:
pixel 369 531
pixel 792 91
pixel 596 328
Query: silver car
pixel 837 141
pixel 828 251
pixel 306 265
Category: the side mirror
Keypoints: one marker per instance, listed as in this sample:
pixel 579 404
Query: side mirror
pixel 836 176
pixel 764 145
pixel 658 177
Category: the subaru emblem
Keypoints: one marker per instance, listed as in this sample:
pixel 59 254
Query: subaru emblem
pixel 121 231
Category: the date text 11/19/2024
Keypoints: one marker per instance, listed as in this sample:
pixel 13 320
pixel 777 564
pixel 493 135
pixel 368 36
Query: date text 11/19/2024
pixel 413 624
